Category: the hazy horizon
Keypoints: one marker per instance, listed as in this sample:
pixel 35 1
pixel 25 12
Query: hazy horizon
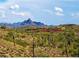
pixel 50 12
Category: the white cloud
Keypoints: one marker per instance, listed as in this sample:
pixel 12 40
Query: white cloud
pixel 2 14
pixel 15 6
pixel 1 7
pixel 59 14
pixel 58 9
pixel 22 14
pixel 48 11
pixel 75 15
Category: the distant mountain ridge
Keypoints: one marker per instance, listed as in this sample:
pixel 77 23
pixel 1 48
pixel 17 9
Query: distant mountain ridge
pixel 27 22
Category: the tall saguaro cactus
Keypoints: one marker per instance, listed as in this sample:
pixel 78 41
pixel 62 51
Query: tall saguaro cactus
pixel 13 39
pixel 12 35
pixel 33 45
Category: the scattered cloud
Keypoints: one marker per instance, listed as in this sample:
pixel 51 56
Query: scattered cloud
pixel 59 14
pixel 2 14
pixel 48 11
pixel 23 14
pixel 75 15
pixel 59 11
pixel 1 8
pixel 15 6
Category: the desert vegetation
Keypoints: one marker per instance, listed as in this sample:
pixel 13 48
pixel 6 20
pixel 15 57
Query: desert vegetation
pixel 54 41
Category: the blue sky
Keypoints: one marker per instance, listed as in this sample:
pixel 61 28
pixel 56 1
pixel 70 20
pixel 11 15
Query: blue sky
pixel 51 12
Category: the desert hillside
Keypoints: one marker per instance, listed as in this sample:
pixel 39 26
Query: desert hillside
pixel 52 41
